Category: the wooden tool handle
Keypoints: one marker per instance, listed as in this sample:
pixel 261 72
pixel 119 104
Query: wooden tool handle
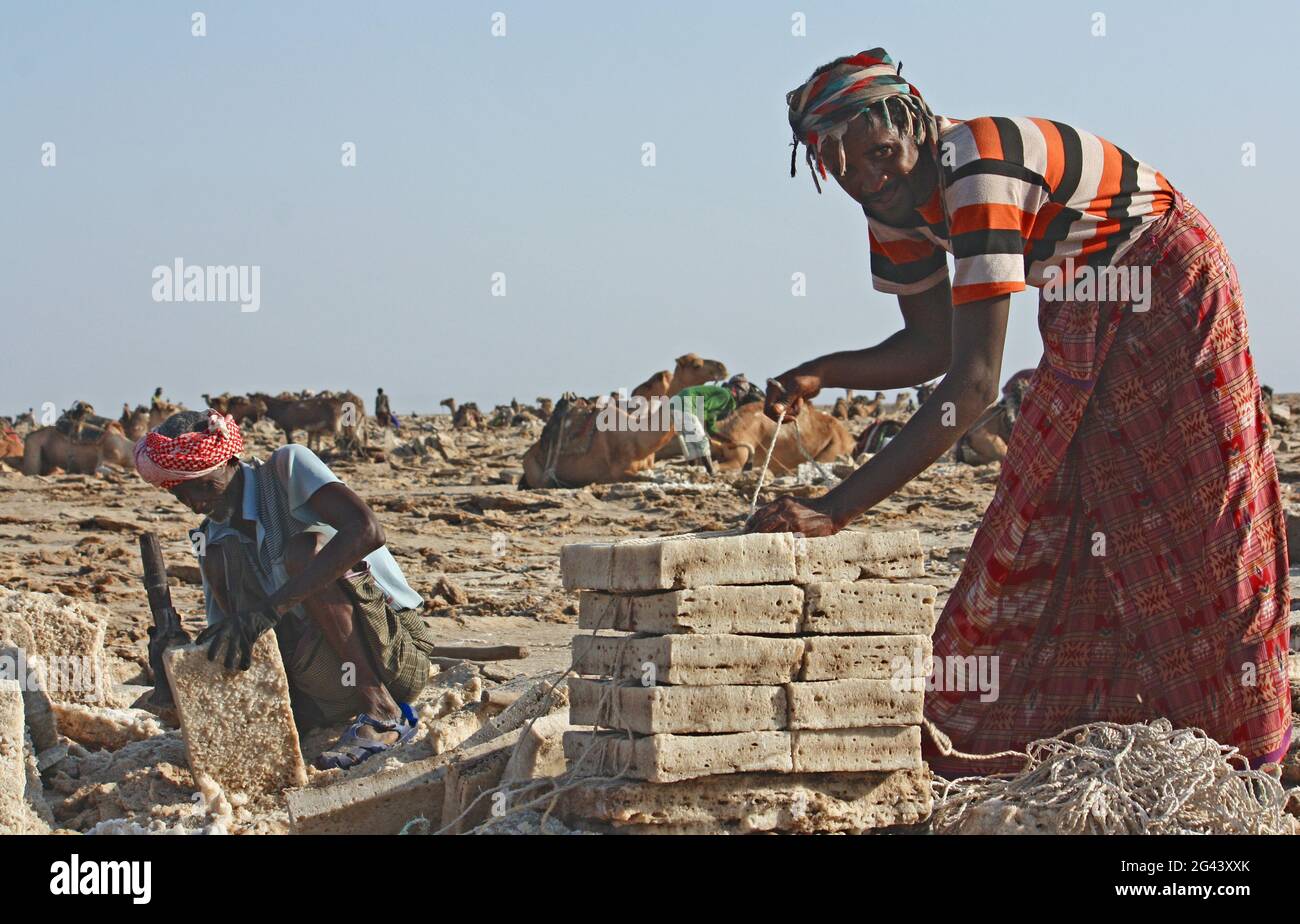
pixel 155 575
pixel 481 653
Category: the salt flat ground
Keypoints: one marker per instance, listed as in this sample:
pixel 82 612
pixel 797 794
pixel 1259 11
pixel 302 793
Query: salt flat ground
pixel 452 518
pixel 444 518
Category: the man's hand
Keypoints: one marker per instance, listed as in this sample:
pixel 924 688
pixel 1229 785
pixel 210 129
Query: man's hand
pixel 787 393
pixel 810 516
pixel 236 635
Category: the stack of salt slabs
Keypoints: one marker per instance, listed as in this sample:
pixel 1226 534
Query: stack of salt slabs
pixel 761 682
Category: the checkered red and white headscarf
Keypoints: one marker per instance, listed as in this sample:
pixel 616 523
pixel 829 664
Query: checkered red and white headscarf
pixel 166 461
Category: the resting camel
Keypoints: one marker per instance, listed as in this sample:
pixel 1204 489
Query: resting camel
pixel 690 370
pixel 161 411
pixel 903 403
pixel 877 435
pixel 465 416
pixel 986 440
pixel 11 444
pixel 743 437
pixel 575 449
pixel 49 448
pixel 135 424
pixel 859 406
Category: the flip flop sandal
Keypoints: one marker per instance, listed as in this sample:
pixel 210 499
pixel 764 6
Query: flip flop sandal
pixel 351 750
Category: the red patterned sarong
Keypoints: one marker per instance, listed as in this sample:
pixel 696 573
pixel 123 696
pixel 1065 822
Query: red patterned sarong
pixel 1133 562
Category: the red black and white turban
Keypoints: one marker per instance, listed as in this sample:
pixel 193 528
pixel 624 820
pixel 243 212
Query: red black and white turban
pixel 166 461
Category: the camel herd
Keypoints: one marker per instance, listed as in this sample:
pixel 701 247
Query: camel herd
pixel 80 441
pixel 573 449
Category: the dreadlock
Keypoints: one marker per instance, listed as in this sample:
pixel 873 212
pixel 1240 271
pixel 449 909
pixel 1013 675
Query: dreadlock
pixel 832 107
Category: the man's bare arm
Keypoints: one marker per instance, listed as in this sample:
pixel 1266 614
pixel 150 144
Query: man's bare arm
pixel 359 534
pixel 919 352
pixel 971 385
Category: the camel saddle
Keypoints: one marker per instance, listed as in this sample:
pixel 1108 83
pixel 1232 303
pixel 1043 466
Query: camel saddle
pixel 570 429
pixel 86 429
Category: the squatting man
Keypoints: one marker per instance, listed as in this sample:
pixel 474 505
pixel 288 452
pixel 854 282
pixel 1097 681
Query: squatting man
pixel 286 546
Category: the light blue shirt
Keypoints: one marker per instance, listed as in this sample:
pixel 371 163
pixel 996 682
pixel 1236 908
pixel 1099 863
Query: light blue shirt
pixel 303 474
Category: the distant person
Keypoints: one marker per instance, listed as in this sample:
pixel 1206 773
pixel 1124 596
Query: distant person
pixel 290 548
pixel 158 400
pixel 383 415
pixel 1133 561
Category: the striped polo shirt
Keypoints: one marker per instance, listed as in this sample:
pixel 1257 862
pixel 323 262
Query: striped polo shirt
pixel 1023 195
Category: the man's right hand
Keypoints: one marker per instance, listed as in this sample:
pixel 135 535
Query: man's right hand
pixel 787 392
pixel 232 639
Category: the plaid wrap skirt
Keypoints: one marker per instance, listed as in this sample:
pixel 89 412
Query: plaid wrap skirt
pixel 1133 561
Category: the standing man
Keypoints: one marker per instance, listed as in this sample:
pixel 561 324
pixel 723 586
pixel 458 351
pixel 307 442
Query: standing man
pixel 383 415
pixel 1133 562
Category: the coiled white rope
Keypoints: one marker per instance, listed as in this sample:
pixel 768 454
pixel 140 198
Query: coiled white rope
pixel 1106 778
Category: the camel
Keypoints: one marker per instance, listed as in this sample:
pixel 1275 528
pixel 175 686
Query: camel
pixel 352 421
pixel 245 408
pixel 338 415
pixel 903 403
pixel 135 424
pixel 241 407
pixel 161 411
pixel 11 444
pixel 466 416
pixel 743 437
pixel 860 406
pixel 986 441
pixel 575 449
pixel 544 408
pixel 49 448
pixel 851 407
pixel 877 435
pixel 690 370
pixel 81 424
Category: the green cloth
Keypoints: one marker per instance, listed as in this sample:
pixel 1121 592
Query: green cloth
pixel 710 403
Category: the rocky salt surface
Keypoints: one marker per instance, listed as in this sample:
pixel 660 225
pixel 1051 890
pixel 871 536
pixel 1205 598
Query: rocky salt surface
pixel 483 554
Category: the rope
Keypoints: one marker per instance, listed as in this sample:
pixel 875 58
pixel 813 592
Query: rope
pixel 549 478
pixel 753 502
pixel 798 441
pixel 1107 778
pixel 554 786
pixel 944 744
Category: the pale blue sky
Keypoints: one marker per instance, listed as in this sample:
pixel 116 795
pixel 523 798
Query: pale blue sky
pixel 522 155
